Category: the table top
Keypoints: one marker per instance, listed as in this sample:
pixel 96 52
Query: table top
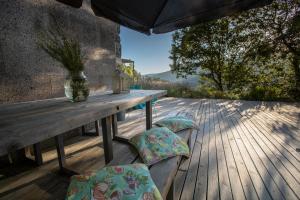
pixel 26 123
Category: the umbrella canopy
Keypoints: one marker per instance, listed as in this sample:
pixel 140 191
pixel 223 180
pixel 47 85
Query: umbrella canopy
pixel 166 15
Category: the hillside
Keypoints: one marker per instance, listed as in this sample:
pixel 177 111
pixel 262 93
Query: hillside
pixel 191 80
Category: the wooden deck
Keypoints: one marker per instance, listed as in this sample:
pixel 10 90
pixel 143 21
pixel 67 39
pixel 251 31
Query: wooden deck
pixel 243 150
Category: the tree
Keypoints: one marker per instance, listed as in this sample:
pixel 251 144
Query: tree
pixel 281 23
pixel 260 47
pixel 221 48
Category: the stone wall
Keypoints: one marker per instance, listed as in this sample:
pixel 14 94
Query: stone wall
pixel 27 73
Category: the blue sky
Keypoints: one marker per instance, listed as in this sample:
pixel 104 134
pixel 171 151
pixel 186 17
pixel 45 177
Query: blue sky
pixel 150 53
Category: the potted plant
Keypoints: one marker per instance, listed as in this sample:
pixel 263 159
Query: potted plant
pixel 121 80
pixel 67 52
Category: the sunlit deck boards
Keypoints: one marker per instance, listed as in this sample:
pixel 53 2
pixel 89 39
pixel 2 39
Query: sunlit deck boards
pixel 243 150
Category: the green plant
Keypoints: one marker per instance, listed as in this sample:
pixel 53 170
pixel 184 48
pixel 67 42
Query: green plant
pixel 61 48
pixel 67 52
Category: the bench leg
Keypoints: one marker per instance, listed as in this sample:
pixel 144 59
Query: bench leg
pixel 107 139
pixel 171 193
pixel 148 115
pixel 37 154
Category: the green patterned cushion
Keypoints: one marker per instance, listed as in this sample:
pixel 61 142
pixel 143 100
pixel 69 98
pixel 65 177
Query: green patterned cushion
pixel 176 123
pixel 124 182
pixel 157 144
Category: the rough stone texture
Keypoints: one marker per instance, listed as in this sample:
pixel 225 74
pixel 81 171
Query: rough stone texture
pixel 27 73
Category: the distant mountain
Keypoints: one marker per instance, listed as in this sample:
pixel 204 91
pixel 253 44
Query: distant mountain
pixel 191 80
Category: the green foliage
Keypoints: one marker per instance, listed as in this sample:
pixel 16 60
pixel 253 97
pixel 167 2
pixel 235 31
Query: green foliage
pixel 79 89
pixel 254 55
pixel 220 47
pixel 61 48
pixel 267 92
pixel 281 23
pixel 261 93
pixel 130 72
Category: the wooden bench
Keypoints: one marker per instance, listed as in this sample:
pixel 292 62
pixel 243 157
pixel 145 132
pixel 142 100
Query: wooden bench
pixel 162 173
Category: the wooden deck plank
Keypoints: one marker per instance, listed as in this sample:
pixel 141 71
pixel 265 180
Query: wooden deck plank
pixel 181 175
pixel 272 113
pixel 184 165
pixel 203 153
pixel 284 146
pixel 224 181
pixel 287 143
pixel 190 181
pixel 283 132
pixel 213 190
pixel 245 178
pixel 266 134
pixel 287 159
pixel 261 189
pixel 278 125
pixel 267 178
pixel 236 184
pixel 282 171
pixel 279 180
pixel 288 170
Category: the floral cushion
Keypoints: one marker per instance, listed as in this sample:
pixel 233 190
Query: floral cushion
pixel 124 182
pixel 157 144
pixel 176 123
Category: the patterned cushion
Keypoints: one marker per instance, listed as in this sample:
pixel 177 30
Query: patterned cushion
pixel 124 182
pixel 157 144
pixel 176 123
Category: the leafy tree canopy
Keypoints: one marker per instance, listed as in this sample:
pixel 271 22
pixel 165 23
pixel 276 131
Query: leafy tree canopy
pixel 236 53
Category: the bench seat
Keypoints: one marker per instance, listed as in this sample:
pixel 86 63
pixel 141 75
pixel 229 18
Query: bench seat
pixel 162 173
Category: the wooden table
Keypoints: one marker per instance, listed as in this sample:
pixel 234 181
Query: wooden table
pixel 29 123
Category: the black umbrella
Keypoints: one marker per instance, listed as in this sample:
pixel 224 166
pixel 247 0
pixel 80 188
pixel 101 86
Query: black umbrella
pixel 166 15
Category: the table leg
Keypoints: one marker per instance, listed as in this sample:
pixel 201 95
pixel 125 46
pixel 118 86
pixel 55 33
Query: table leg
pixel 148 115
pixel 107 139
pixel 97 128
pixel 114 125
pixel 17 157
pixel 115 130
pixel 59 142
pixel 38 154
pixel 83 130
pixel 90 133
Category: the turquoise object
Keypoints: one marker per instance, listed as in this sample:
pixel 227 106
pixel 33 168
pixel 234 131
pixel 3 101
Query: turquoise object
pixel 142 105
pixel 176 123
pixel 124 182
pixel 158 144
